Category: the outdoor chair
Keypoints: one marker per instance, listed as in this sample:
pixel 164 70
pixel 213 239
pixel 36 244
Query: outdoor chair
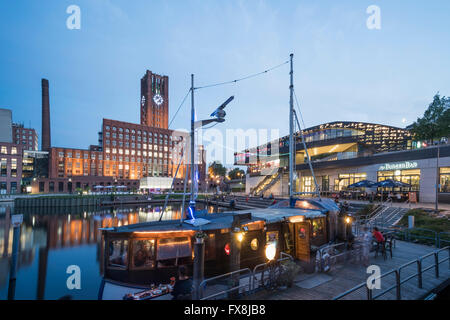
pixel 389 245
pixel 381 247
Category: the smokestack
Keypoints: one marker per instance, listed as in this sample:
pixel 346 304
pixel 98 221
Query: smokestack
pixel 46 138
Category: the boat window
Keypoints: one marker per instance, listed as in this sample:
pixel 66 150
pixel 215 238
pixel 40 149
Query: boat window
pixel 271 236
pixel 171 251
pixel 318 227
pixel 118 253
pixel 254 244
pixel 143 254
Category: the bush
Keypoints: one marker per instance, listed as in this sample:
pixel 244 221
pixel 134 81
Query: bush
pixel 425 220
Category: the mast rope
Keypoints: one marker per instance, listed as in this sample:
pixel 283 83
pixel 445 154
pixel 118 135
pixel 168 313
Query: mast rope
pixel 243 78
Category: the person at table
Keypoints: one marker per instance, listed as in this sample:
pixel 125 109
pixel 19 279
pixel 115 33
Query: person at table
pixel 377 235
pixel 182 289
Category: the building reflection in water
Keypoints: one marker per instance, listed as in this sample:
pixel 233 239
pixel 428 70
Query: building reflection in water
pixel 45 229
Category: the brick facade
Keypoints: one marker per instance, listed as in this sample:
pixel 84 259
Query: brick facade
pixel 10 167
pixel 26 137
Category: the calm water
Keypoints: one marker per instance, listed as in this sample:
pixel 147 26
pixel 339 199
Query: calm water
pixel 52 239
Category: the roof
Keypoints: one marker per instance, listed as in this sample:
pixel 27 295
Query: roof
pixel 221 220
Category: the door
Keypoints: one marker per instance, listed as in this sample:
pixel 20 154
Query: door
pixel 302 237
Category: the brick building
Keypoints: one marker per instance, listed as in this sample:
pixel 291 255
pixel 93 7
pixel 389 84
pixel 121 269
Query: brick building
pixel 10 167
pixel 126 152
pixel 27 137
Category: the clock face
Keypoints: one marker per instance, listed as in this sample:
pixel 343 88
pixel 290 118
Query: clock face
pixel 158 99
pixel 143 100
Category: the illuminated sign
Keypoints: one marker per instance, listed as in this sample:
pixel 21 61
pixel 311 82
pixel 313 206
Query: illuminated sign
pixel 398 166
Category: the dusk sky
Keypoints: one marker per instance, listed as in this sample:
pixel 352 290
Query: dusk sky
pixel 342 69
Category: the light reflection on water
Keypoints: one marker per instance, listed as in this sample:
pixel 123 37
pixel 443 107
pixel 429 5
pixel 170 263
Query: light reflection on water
pixel 52 239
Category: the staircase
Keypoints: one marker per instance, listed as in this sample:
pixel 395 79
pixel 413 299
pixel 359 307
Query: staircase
pixel 389 216
pixel 383 216
pixel 266 183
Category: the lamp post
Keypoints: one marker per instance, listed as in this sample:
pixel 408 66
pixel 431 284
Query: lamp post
pixel 438 173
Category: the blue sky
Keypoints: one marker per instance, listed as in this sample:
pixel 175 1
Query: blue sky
pixel 343 70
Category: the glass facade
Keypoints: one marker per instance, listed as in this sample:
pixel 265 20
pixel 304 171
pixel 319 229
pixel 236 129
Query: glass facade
pixel 411 177
pixel 444 179
pixel 347 179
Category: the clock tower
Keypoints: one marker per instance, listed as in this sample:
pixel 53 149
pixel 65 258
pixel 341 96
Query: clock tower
pixel 154 100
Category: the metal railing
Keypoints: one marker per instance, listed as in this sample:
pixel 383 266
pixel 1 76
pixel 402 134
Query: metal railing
pixel 398 280
pixel 330 255
pixel 265 267
pixel 248 275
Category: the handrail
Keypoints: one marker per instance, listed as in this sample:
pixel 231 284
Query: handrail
pixel 398 280
pixel 204 282
pixel 226 291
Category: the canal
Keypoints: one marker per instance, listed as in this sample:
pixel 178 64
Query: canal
pixel 52 239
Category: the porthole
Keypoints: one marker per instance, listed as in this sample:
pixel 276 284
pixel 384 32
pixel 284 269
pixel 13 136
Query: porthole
pixel 254 244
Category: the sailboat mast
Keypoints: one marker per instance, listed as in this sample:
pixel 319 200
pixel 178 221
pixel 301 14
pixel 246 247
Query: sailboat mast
pixel 291 131
pixel 192 198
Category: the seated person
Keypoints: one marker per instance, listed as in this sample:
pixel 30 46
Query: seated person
pixel 182 289
pixel 377 235
pixel 140 258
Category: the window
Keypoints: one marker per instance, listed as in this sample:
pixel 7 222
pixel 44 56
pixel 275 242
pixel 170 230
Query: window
pixel 4 150
pixel 118 253
pixel 170 250
pixel 444 179
pixel 13 167
pixel 13 150
pixel 411 177
pixel 143 254
pixel 254 244
pixel 3 167
pixel 347 179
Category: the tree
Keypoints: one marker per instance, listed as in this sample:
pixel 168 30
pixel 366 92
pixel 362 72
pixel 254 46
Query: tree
pixel 217 169
pixel 435 122
pixel 236 173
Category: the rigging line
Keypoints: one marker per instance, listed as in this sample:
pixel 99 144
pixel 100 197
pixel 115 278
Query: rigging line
pixel 298 108
pixel 243 78
pixel 184 99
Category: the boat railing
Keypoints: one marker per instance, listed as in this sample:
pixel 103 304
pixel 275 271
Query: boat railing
pixel 331 255
pixel 241 274
pixel 248 279
pixel 398 281
pixel 270 267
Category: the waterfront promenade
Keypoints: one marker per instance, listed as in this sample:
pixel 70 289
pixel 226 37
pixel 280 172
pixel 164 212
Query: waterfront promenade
pixel 343 277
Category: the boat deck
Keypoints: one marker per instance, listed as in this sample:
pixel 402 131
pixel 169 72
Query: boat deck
pixel 326 286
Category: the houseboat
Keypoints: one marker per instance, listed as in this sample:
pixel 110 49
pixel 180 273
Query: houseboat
pixel 143 254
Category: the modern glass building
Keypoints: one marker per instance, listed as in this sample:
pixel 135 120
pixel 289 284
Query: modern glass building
pixel 343 153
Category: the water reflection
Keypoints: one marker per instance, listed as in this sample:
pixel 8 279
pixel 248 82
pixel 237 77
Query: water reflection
pixel 51 239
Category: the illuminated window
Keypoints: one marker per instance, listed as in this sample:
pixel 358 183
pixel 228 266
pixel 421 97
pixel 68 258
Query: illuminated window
pixel 254 244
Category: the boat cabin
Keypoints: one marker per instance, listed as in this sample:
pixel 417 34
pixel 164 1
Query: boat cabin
pixel 151 252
